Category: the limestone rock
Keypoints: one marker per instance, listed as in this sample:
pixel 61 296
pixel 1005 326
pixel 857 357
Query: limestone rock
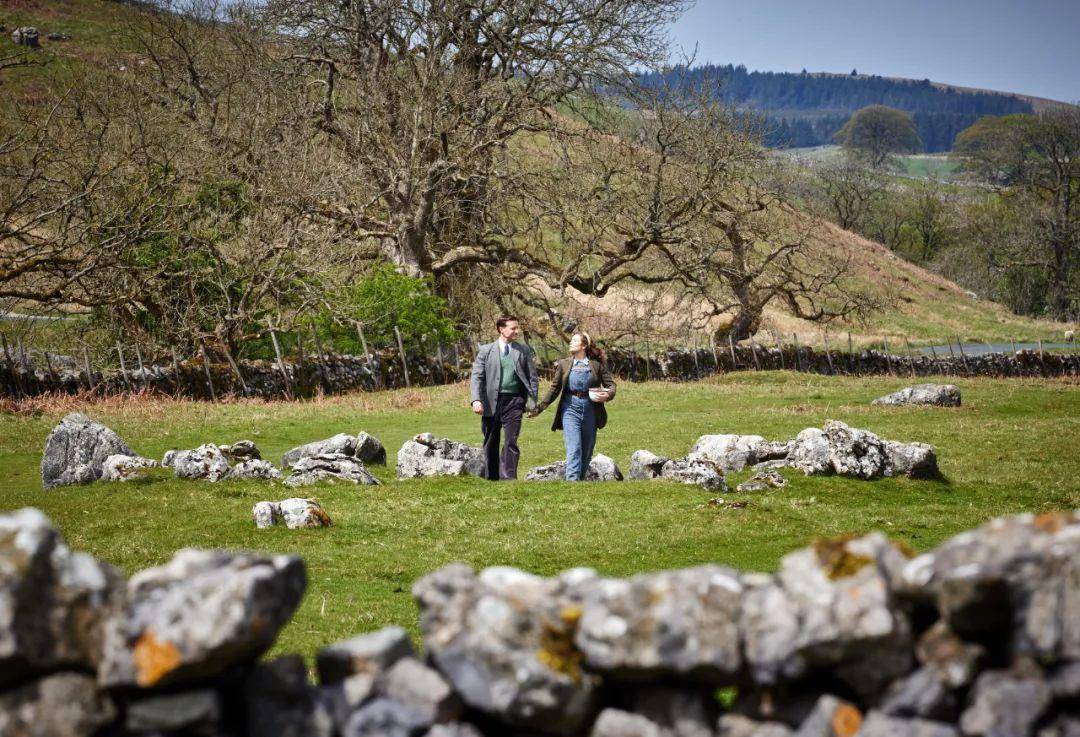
pixel 76 449
pixel 241 450
pixel 855 452
pixel 877 724
pixel 198 615
pixel 646 465
pixel 60 705
pixel 53 602
pixel 914 460
pixel 763 481
pixel 26 36
pixel 205 462
pixel 196 712
pixel 830 605
pixel 425 455
pixel 363 447
pixel 810 452
pixel 369 654
pixel 696 472
pixel 265 514
pixel 671 624
pixel 1014 580
pixel 735 725
pixel 505 641
pixel 456 729
pixel 410 682
pixel 730 452
pixel 296 513
pixel 125 468
pixel 680 710
pixel 940 395
pixel 831 717
pixel 957 662
pixel 922 694
pixel 601 468
pixel 329 467
pixel 1003 703
pixel 618 723
pixel 281 703
pixel 385 718
pixel 254 469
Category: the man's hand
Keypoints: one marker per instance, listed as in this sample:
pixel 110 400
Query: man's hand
pixel 478 407
pixel 532 413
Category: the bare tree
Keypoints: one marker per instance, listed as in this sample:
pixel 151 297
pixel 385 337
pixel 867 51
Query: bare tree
pixel 850 189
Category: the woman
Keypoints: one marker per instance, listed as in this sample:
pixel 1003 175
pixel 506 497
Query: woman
pixel 580 414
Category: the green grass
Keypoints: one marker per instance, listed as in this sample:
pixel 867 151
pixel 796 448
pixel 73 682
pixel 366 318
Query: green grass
pixel 1011 448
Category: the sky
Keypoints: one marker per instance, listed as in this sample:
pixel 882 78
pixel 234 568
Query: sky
pixel 1026 46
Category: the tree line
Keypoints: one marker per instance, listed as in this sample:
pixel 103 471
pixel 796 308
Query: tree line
pixel 802 109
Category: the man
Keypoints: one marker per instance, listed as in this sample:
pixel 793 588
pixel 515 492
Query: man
pixel 504 385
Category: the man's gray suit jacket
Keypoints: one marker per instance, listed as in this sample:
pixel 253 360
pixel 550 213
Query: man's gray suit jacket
pixel 487 373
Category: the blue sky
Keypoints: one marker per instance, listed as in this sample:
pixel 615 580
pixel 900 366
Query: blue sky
pixel 1029 46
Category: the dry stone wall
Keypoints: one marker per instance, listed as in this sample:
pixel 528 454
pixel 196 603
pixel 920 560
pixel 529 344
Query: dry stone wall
pixel 852 636
pixel 383 370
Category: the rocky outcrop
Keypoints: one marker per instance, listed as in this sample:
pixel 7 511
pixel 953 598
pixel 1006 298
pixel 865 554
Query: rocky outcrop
pixel 76 449
pixel 125 468
pixel 848 451
pixel 426 455
pixel 601 468
pixel 763 481
pixel 939 395
pixel 736 452
pixel 645 465
pixel 205 462
pixel 329 467
pixel 254 469
pixel 296 513
pixel 26 36
pixel 850 636
pixel 363 447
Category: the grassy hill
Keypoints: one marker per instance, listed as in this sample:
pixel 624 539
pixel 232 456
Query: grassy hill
pixel 923 308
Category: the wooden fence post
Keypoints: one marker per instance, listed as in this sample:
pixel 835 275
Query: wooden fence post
pixel 86 368
pixel 798 362
pixel 300 361
pixel 648 351
pixel 176 370
pixel 753 352
pixel 439 358
pixel 697 366
pixel 963 355
pixel 235 368
pixel 715 352
pixel 1014 345
pixel 16 381
pixel 731 346
pixel 123 366
pixel 888 358
pixel 280 362
pixel 323 375
pixel 828 353
pixel 1042 364
pixel 852 365
pixel 49 367
pixel 401 351
pixel 142 368
pixel 911 356
pixel 206 370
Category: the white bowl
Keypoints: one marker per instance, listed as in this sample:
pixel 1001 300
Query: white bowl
pixel 595 394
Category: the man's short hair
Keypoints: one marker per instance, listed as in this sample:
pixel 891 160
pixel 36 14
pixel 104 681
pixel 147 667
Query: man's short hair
pixel 500 322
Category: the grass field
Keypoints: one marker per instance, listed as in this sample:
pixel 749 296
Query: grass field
pixel 1011 448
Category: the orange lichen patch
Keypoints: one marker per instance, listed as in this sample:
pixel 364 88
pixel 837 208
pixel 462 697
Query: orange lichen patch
pixel 906 550
pixel 557 650
pixel 1052 522
pixel 154 659
pixel 320 514
pixel 836 560
pixel 846 720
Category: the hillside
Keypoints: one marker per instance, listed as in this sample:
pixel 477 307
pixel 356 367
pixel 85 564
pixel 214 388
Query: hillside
pixel 807 109
pixel 923 307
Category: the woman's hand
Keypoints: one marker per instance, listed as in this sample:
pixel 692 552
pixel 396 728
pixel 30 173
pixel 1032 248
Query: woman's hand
pixel 602 395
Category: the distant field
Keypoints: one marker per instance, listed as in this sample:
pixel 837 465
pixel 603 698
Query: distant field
pixel 1010 448
pixel 918 166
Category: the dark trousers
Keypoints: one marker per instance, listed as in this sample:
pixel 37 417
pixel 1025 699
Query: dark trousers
pixel 507 416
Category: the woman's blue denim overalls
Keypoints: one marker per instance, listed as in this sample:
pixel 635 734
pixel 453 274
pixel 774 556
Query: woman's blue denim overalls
pixel 579 422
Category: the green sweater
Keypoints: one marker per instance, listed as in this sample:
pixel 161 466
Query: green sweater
pixel 509 383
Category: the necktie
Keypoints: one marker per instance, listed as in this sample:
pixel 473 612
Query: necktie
pixel 506 349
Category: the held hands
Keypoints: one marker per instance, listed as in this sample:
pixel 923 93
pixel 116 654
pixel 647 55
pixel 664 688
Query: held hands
pixel 532 413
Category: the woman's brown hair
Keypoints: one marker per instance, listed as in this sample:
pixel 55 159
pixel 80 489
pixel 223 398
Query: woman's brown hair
pixel 592 350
